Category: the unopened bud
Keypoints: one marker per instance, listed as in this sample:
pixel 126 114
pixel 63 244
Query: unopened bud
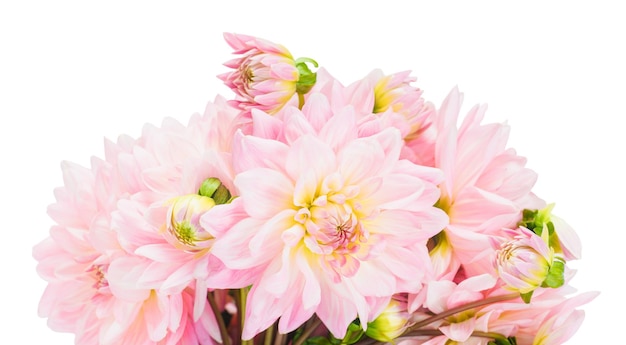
pixel 183 229
pixel 390 324
pixel 214 189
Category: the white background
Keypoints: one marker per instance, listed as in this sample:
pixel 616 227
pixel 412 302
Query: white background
pixel 73 73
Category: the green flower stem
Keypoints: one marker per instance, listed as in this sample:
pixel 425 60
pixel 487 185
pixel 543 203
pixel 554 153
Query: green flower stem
pixel 436 332
pixel 269 335
pixel 307 331
pixel 300 100
pixel 243 296
pixel 459 309
pixel 220 319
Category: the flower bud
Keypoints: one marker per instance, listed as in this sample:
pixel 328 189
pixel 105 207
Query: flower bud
pixel 390 324
pixel 527 262
pixel 394 93
pixel 266 76
pixel 183 229
pixel 214 189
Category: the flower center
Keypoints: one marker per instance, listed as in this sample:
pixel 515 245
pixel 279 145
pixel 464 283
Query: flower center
pixel 329 226
pixel 184 232
pixel 183 229
pixel 101 284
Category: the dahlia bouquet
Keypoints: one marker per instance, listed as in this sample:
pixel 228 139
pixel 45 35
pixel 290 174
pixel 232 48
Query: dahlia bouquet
pixel 306 212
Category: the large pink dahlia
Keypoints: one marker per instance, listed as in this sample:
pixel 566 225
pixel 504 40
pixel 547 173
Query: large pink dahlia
pixel 114 274
pixel 486 187
pixel 326 214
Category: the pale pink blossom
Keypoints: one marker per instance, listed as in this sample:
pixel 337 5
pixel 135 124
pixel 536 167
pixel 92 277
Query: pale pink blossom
pixel 385 101
pixel 264 77
pixel 443 295
pixel 106 282
pixel 160 222
pixel 327 213
pixel 79 261
pixel 486 309
pixel 401 105
pixel 485 189
pixel 562 322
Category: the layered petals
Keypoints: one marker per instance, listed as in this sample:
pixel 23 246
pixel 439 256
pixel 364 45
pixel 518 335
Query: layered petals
pixel 326 218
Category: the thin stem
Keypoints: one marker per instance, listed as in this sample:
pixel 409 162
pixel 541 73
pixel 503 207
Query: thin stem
pixel 269 335
pixel 459 309
pixel 370 341
pixel 307 331
pixel 300 100
pixel 280 338
pixel 220 319
pixel 243 296
pixel 436 332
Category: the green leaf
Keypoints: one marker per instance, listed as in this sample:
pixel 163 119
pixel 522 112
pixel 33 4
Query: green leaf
pixel 555 276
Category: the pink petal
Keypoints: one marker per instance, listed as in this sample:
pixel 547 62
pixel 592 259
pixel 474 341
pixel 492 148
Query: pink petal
pixel 264 192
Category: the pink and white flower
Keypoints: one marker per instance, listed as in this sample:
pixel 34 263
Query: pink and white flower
pixel 485 189
pixel 87 294
pixel 309 207
pixel 114 273
pixel 264 77
pixel 327 213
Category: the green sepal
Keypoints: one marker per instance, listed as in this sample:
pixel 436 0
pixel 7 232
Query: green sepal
pixel 526 296
pixel 534 220
pixel 307 78
pixel 353 334
pixel 214 189
pixel 555 277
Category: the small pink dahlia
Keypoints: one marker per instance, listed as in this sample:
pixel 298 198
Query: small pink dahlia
pixel 265 77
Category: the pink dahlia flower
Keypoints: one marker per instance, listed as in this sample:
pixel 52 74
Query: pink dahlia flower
pixel 326 214
pixel 115 273
pixel 562 321
pixel 401 105
pixel 485 189
pixel 383 101
pixel 264 77
pixel 85 295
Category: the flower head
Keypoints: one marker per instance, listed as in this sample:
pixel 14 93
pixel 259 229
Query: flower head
pixel 327 213
pixel 525 262
pixel 126 260
pixel 485 189
pixel 266 76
